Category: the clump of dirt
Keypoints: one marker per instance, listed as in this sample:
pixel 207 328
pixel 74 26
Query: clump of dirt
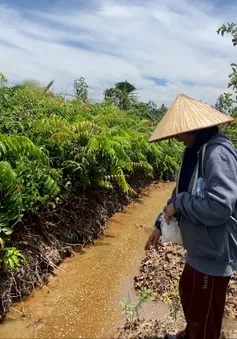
pixel 153 329
pixel 157 329
pixel 160 269
pixel 47 238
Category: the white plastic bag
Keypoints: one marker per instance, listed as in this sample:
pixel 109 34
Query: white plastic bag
pixel 171 232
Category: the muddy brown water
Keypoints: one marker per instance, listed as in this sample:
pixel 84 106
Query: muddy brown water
pixel 84 299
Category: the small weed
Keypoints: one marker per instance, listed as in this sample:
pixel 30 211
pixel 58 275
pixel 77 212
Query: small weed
pixel 131 311
pixel 11 257
pixel 172 299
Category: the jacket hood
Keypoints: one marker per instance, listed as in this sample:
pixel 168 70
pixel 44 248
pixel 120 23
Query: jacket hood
pixel 221 139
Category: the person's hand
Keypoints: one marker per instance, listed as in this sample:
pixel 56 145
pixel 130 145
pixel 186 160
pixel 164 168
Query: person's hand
pixel 154 240
pixel 169 213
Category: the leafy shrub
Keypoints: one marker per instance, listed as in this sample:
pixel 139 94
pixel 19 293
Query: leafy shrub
pixel 11 257
pixel 51 148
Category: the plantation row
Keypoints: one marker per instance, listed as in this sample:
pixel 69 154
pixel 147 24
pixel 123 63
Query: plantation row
pixel 52 148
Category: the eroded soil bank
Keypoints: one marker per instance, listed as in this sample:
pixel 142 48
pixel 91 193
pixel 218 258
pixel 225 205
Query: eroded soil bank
pixel 83 300
pixel 47 238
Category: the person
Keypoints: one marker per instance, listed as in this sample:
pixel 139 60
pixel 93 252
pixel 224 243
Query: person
pixel 205 205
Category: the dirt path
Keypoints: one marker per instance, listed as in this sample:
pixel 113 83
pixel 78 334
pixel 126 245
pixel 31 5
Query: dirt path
pixel 83 300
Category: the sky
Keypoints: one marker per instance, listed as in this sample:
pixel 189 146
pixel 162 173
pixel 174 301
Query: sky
pixel 163 47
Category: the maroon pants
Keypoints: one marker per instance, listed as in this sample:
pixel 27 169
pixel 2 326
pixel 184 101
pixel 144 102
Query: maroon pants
pixel 203 300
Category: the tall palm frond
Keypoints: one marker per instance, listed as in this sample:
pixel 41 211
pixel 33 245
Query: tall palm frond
pixel 125 87
pixel 47 88
pixel 18 146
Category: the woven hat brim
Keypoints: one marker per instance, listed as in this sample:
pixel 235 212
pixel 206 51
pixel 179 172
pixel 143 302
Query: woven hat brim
pixel 195 129
pixel 187 115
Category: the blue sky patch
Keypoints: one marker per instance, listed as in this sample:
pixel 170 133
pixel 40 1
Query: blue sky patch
pixel 158 81
pixel 189 83
pixel 11 45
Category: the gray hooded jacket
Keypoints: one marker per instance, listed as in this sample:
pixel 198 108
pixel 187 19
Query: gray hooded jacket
pixel 208 221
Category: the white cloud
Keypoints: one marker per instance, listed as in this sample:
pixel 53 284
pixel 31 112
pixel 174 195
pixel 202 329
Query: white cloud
pixel 172 40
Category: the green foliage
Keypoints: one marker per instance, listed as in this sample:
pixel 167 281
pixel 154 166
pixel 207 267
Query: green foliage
pixel 81 89
pixel 30 83
pixel 229 29
pixel 52 148
pixel 131 311
pixel 14 147
pixel 3 80
pixel 220 103
pixel 38 185
pixel 10 198
pixel 149 111
pixel 233 77
pixel 122 95
pixel 230 131
pixel 127 89
pixel 230 99
pixel 173 300
pixel 11 257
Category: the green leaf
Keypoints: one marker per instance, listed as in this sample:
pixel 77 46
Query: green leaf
pixel 11 262
pixel 16 260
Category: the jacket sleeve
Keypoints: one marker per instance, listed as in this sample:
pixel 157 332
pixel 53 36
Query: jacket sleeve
pixel 220 193
pixel 158 219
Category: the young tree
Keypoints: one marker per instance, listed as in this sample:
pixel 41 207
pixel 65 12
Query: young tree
pixel 122 95
pixel 3 80
pixel 150 111
pixel 163 108
pixel 81 89
pixel 219 105
pixel 230 100
pixel 113 94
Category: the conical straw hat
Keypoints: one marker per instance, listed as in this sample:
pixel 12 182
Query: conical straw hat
pixel 186 115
